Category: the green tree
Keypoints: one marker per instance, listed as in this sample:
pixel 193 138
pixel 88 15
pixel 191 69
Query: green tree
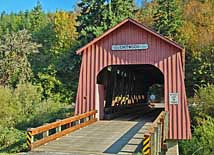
pixel 13 22
pixel 121 9
pixel 14 51
pixel 96 16
pixel 37 18
pixel 32 20
pixel 59 39
pixel 168 18
pixel 199 68
pixel 91 19
pixel 196 35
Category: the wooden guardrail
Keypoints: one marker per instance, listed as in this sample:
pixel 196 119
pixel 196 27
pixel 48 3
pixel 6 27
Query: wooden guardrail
pixel 48 132
pixel 154 138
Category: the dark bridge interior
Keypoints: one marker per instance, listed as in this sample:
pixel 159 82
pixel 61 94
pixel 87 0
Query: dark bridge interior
pixel 128 87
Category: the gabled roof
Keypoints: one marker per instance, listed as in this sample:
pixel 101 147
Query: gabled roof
pixel 137 24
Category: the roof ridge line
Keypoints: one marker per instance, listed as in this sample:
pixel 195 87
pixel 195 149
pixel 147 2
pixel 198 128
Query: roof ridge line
pixel 79 51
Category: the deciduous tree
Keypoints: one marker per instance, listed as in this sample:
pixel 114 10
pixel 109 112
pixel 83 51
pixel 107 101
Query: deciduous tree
pixel 14 63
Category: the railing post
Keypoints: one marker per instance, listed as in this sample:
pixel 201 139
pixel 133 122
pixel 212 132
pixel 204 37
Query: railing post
pixel 155 140
pixel 30 138
pixel 85 119
pixel 68 125
pixel 46 133
pixel 152 144
pixel 159 137
pixel 59 128
pixel 79 122
pixel 162 130
pixel 94 116
pixel 166 121
pixel 90 117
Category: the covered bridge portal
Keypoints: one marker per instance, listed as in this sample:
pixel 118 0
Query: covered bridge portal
pixel 120 67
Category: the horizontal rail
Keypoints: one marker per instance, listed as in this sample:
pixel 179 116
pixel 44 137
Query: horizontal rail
pixel 60 127
pixel 156 105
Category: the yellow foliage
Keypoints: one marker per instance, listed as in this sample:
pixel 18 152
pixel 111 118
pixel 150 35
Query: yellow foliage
pixel 145 15
pixel 65 30
pixel 198 29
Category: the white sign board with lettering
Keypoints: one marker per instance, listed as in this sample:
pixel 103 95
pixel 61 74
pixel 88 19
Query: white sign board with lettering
pixel 129 47
pixel 173 98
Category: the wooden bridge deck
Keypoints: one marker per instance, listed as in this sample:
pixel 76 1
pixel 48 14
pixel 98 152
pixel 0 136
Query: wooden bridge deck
pixel 119 136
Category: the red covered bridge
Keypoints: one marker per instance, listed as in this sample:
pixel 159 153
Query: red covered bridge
pixel 130 70
pixel 163 54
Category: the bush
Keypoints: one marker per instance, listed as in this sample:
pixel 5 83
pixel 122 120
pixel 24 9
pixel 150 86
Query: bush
pixel 8 110
pixel 22 108
pixel 202 104
pixel 12 140
pixel 202 142
pixel 202 116
pixel 205 99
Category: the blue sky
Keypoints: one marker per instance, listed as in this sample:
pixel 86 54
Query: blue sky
pixel 48 5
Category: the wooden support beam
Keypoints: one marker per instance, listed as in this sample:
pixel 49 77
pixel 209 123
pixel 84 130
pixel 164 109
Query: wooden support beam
pixel 157 105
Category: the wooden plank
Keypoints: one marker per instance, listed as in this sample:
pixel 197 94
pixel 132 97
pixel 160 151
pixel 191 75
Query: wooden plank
pixel 157 105
pixel 62 133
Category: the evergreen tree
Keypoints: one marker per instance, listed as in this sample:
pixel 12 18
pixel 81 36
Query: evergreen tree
pixel 121 9
pixel 37 18
pixel 97 16
pixel 168 17
pixel 91 19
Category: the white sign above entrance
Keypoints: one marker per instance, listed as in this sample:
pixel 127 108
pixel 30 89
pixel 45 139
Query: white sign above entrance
pixel 129 47
pixel 173 98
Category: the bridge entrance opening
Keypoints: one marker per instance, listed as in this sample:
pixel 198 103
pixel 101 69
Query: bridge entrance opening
pixel 131 89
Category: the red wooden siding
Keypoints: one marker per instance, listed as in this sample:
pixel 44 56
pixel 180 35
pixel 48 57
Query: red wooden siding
pixel 161 53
